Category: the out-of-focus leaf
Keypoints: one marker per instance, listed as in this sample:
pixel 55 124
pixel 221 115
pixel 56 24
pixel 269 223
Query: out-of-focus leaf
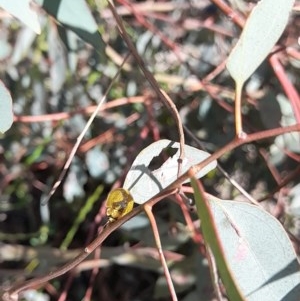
pixel 135 223
pixel 263 28
pixel 144 258
pixel 76 16
pixel 5 49
pixel 58 65
pixel 183 278
pixel 23 43
pixel 70 39
pixel 294 206
pixel 6 118
pixel 144 183
pixel 134 259
pixel 73 186
pixel 30 295
pixel 97 162
pixel 22 11
pixel 289 141
pixel 40 97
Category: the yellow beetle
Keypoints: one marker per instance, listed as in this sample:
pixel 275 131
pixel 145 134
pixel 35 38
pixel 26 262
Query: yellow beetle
pixel 119 202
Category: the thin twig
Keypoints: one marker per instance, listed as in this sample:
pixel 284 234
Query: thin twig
pixel 86 110
pixel 80 137
pixel 13 292
pixel 162 95
pixel 148 210
pixel 223 171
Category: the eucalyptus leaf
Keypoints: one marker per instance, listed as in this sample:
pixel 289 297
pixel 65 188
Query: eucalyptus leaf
pixel 262 30
pixel 144 183
pixel 74 184
pixel 76 16
pixel 216 244
pixel 97 162
pixel 6 118
pixel 24 41
pixel 258 251
pixel 22 11
pixel 58 68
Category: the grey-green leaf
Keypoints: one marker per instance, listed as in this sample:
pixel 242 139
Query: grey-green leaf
pixel 144 183
pixel 263 28
pixel 76 16
pixel 22 11
pixel 258 251
pixel 7 117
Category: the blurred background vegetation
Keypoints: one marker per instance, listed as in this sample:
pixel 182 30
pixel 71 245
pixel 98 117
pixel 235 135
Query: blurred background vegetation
pixel 56 80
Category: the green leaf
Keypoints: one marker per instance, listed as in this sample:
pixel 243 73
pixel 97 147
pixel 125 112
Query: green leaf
pixel 263 28
pixel 144 183
pixel 76 16
pixel 7 116
pixel 22 11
